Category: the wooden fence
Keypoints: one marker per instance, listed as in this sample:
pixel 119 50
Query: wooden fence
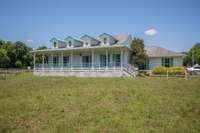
pixel 165 73
pixel 5 72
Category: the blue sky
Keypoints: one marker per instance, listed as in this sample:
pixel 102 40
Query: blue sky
pixel 172 24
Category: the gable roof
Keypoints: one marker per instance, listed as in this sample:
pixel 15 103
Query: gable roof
pixel 69 37
pixel 89 37
pixel 155 51
pixel 107 35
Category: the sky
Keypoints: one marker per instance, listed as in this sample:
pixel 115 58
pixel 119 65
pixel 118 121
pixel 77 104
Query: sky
pixel 172 24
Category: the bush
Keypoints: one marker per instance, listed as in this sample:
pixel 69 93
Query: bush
pixel 18 64
pixel 160 70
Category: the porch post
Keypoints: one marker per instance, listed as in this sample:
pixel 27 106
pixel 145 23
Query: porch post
pixel 42 61
pixel 106 58
pixel 34 61
pixel 92 59
pixel 62 60
pixel 52 61
pixel 121 59
pixel 71 60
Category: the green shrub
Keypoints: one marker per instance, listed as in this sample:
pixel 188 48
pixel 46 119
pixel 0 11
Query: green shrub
pixel 160 70
pixel 18 64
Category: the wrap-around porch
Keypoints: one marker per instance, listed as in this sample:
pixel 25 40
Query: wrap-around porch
pixel 106 59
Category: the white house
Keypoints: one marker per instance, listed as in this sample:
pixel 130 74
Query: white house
pixel 105 55
pixel 163 57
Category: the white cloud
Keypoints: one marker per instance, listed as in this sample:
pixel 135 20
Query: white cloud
pixel 151 32
pixel 29 40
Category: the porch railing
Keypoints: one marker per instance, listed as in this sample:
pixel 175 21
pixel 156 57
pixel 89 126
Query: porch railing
pixel 75 66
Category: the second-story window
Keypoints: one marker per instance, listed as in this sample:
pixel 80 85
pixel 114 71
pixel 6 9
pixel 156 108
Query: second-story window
pixel 54 44
pixel 70 43
pixel 105 41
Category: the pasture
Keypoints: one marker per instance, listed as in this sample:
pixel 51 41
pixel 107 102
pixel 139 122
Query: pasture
pixel 60 104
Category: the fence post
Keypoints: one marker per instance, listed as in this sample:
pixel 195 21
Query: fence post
pixel 150 73
pixel 167 74
pixel 185 74
pixel 6 75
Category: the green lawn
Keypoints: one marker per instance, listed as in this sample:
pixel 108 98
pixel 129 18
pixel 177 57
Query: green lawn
pixel 58 104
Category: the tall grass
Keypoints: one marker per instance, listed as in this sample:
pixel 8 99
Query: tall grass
pixel 59 104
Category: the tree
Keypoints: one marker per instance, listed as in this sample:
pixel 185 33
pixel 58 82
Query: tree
pixel 18 64
pixel 39 56
pixel 194 53
pixel 138 56
pixel 17 51
pixel 4 59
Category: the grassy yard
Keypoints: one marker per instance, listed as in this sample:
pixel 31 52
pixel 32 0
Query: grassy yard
pixel 58 104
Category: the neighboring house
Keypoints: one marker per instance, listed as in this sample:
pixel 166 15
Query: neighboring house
pixel 163 57
pixel 105 55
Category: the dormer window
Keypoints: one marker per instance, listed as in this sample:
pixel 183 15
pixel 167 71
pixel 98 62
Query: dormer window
pixel 86 44
pixel 70 43
pixel 105 41
pixel 54 44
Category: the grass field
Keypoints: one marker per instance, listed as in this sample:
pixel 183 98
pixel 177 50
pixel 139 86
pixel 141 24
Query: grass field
pixel 58 104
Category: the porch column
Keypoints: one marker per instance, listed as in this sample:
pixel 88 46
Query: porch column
pixel 71 60
pixel 34 61
pixel 121 59
pixel 92 59
pixel 62 60
pixel 106 59
pixel 52 61
pixel 42 61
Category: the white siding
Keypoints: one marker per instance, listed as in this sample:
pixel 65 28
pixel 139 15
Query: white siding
pixel 153 62
pixel 178 61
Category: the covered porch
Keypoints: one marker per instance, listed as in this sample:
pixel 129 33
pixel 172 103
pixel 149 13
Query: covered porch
pixel 81 59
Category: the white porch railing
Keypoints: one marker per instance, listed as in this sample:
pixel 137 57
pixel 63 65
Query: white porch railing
pixel 77 66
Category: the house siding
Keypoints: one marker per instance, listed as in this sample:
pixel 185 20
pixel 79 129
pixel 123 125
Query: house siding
pixel 77 57
pixel 157 61
pixel 178 61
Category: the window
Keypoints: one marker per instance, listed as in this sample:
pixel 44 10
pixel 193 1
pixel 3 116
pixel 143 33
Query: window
pixel 103 60
pixel 105 41
pixel 70 43
pixel 54 44
pixel 86 61
pixel 167 62
pixel 86 44
pixel 116 60
pixel 66 61
pixel 55 61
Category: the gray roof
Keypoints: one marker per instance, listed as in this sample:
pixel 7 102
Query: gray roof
pixel 121 38
pixel 155 51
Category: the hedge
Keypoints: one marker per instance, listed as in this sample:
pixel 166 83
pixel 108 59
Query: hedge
pixel 160 70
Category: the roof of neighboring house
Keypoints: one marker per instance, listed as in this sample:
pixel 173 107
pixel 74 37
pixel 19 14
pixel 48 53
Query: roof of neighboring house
pixel 155 51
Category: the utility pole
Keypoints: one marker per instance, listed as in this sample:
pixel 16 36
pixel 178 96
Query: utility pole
pixel 192 57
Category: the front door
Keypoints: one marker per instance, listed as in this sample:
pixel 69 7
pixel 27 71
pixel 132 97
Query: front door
pixel 86 61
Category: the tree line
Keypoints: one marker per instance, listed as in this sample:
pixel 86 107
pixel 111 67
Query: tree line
pixel 18 54
pixel 15 55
